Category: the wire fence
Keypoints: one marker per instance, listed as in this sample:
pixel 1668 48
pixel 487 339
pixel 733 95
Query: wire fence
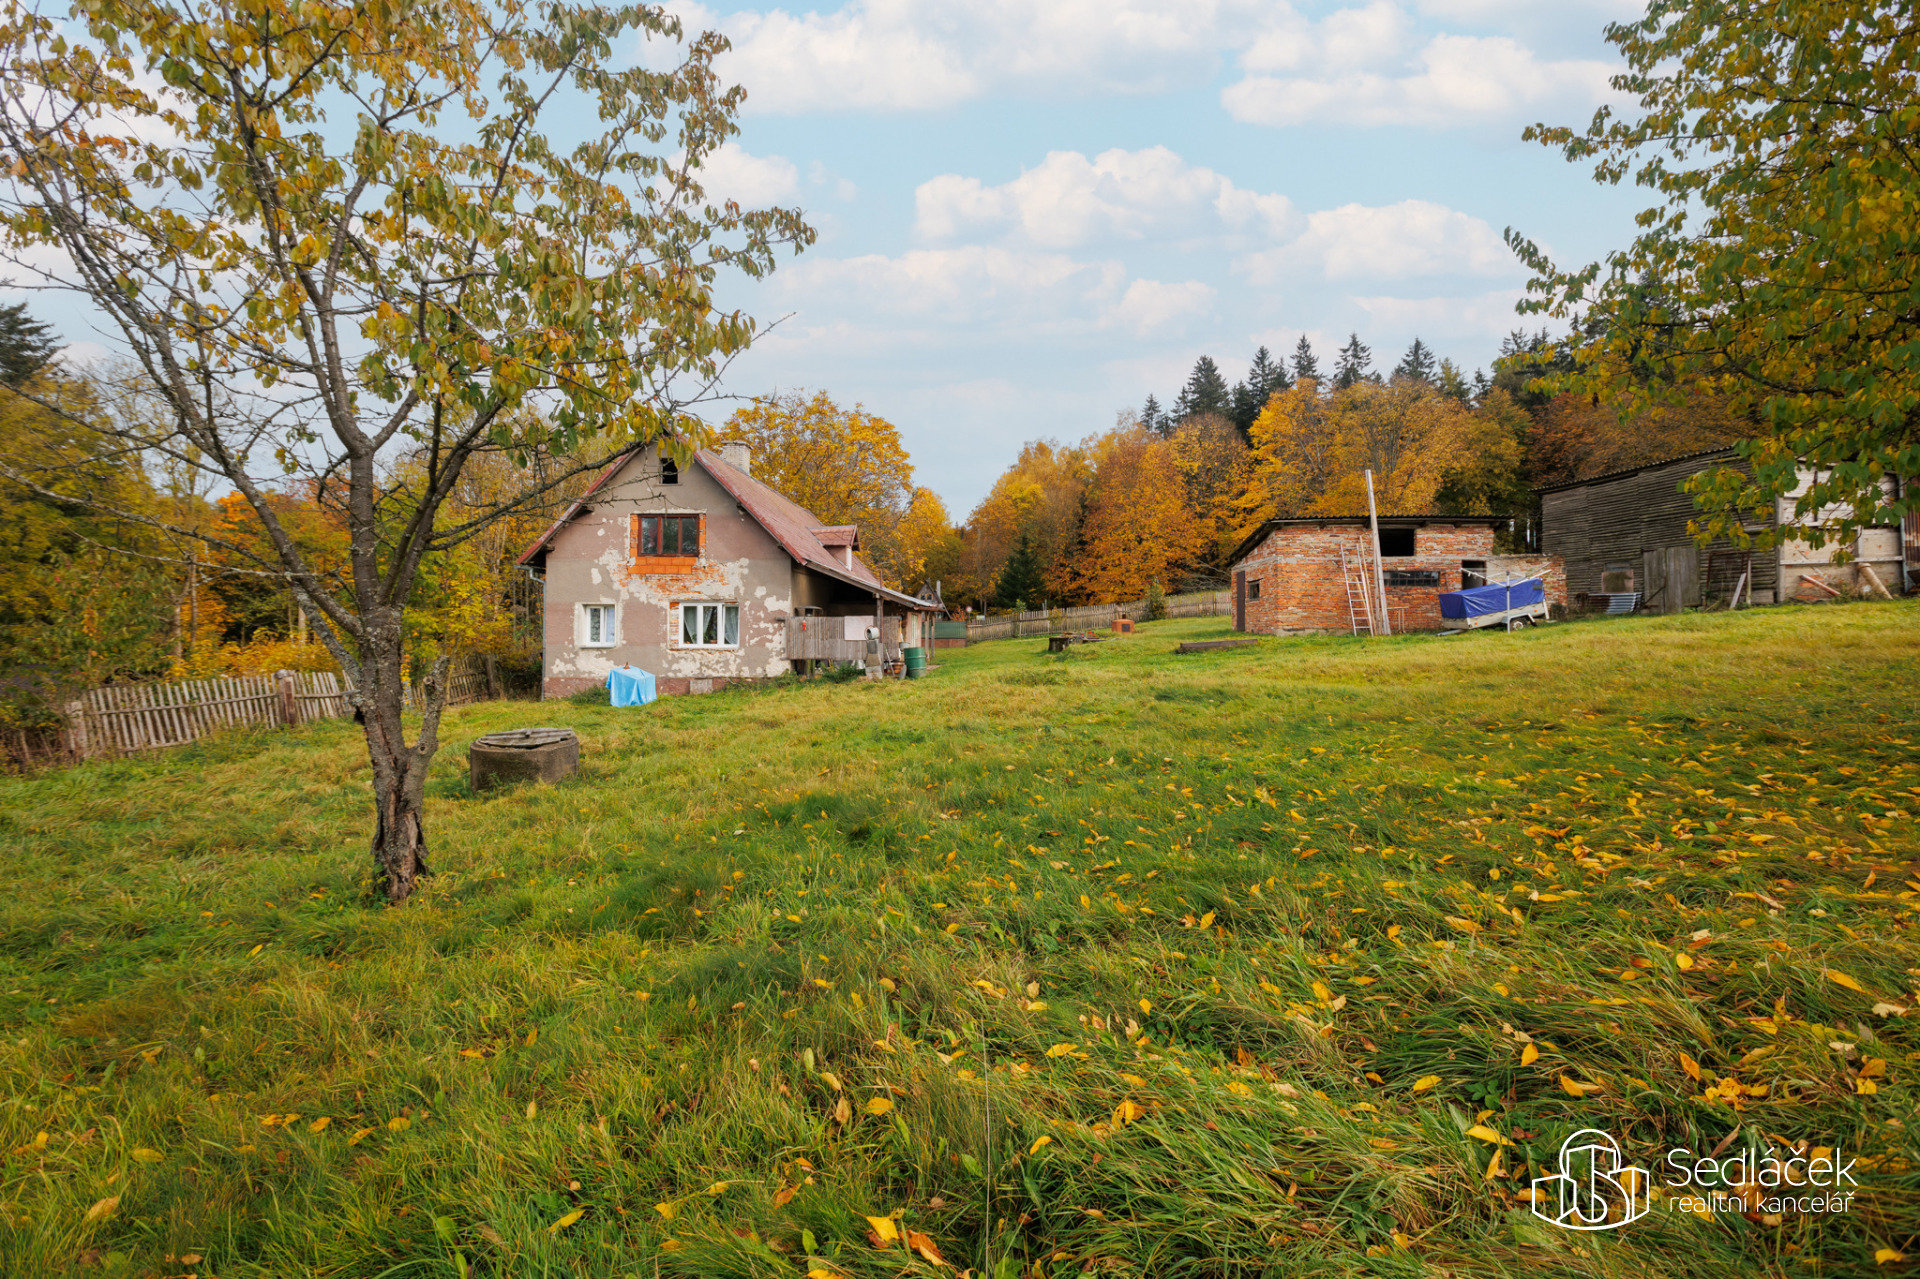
pixel 1087 617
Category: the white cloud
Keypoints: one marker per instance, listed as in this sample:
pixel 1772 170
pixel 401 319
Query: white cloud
pixel 1488 313
pixel 1149 307
pixel 880 55
pixel 1411 238
pixel 1069 200
pixel 1453 79
pixel 958 285
pixel 734 173
pixel 1366 64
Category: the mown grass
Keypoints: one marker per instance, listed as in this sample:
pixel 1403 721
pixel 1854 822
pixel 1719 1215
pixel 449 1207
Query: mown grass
pixel 1166 965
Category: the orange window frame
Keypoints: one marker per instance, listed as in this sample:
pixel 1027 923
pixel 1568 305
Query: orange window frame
pixel 680 563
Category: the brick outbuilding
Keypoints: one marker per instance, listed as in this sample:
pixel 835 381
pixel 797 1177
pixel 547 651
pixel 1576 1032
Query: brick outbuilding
pixel 1316 574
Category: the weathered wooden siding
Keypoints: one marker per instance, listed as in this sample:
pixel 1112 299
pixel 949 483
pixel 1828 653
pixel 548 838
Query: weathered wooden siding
pixel 1623 518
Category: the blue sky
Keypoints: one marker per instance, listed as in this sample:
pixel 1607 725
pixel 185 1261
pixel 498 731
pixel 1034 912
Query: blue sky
pixel 1034 212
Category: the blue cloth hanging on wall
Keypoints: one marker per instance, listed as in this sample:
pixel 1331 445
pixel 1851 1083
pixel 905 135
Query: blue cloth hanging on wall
pixel 630 686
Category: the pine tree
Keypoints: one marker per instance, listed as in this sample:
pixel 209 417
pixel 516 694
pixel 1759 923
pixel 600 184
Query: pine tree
pixel 1205 392
pixel 1454 383
pixel 1417 364
pixel 1305 363
pixel 1021 580
pixel 1356 361
pixel 1264 377
pixel 1154 418
pixel 25 344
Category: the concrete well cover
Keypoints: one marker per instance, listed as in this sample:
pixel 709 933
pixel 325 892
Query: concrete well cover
pixel 523 754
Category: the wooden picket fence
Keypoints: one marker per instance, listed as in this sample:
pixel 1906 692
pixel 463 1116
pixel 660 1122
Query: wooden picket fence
pixel 1093 617
pixel 125 719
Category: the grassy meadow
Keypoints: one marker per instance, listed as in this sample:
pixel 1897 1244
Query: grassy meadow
pixel 1292 960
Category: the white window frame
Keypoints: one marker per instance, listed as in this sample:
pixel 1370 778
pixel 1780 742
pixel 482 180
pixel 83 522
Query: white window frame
pixel 609 626
pixel 718 611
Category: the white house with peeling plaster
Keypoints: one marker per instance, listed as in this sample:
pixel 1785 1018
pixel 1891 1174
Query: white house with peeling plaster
pixel 702 575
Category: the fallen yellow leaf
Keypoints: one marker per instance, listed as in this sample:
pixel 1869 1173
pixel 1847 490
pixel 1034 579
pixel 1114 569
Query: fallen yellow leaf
pixel 1841 979
pixel 102 1209
pixel 669 1210
pixel 1127 1111
pixel 320 1124
pixel 1146 1006
pixel 1576 1089
pixel 1061 1050
pixel 1206 920
pixel 1038 1142
pixel 1689 1065
pixel 146 1155
pixel 1480 1132
pixel 1529 1055
pixel 566 1221
pixel 1425 1082
pixel 1886 1256
pixel 399 1123
pixel 884 1229
pixel 925 1247
pixel 878 1105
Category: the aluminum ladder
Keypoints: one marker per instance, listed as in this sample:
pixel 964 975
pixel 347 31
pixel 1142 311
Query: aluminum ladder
pixel 1359 598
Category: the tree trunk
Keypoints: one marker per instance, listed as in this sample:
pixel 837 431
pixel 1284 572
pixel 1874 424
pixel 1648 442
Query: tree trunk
pixel 399 770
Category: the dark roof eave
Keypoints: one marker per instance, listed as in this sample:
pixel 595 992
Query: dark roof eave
pixel 1626 472
pixel 1259 534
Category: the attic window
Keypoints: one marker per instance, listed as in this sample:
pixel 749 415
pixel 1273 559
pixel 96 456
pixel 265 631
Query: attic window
pixel 669 535
pixel 1396 542
pixel 669 471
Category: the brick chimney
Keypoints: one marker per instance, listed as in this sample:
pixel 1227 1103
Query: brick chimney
pixel 737 454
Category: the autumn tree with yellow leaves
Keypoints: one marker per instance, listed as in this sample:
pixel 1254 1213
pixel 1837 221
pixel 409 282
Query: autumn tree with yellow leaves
pixel 1138 527
pixel 848 466
pixel 327 236
pixel 1777 270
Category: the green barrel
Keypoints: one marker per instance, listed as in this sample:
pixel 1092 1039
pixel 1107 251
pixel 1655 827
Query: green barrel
pixel 916 662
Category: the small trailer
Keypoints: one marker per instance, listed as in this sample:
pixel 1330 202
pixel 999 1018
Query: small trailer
pixel 1510 604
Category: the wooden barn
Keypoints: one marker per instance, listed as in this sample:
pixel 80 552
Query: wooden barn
pixel 1625 534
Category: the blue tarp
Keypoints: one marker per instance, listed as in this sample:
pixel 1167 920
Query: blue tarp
pixel 630 686
pixel 1479 601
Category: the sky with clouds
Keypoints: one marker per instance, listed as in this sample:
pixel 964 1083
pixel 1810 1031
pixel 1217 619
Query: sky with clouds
pixel 1032 213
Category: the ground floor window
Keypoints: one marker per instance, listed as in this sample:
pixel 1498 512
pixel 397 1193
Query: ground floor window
pixel 1253 589
pixel 1617 579
pixel 597 628
pixel 710 625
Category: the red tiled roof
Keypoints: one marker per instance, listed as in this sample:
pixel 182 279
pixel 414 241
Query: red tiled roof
pixel 797 529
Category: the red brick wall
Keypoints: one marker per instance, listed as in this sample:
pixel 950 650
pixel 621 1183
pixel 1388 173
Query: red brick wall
pixel 1302 587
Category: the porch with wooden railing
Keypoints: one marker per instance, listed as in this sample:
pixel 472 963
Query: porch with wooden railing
pixel 823 639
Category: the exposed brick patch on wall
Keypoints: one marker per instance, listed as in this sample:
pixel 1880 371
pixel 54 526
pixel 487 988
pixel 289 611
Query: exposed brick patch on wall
pixel 1302 588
